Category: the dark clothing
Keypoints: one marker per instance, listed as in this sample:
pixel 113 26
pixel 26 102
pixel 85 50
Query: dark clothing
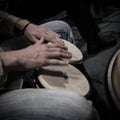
pixel 81 15
pixel 78 11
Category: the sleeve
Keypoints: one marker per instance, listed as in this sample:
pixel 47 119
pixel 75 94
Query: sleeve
pixel 7 23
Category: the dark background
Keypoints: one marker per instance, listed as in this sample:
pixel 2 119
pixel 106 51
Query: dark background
pixel 94 67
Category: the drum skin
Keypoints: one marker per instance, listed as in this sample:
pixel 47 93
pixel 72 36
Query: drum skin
pixel 64 77
pixel 77 55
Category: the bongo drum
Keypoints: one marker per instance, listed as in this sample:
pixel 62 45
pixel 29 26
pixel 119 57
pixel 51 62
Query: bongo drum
pixel 77 55
pixel 64 77
pixel 113 78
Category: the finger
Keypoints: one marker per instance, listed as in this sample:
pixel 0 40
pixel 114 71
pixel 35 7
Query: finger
pixel 50 36
pixel 59 54
pixel 34 39
pixel 41 41
pixel 62 46
pixel 57 49
pixel 57 62
pixel 58 42
pixel 50 45
pixel 50 32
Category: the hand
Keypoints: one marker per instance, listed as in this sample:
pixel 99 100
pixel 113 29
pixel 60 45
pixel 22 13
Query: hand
pixel 35 56
pixel 35 32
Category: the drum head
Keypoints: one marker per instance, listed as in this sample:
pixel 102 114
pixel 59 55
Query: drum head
pixel 77 55
pixel 64 77
pixel 114 78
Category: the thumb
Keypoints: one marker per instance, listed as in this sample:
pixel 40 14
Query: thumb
pixel 41 41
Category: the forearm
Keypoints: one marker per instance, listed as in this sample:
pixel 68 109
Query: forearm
pixel 10 24
pixel 7 23
pixel 10 60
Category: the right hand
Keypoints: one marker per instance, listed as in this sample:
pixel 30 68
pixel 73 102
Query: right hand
pixel 36 56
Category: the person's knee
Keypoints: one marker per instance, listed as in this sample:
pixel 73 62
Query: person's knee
pixel 58 104
pixel 79 108
pixel 64 25
pixel 58 26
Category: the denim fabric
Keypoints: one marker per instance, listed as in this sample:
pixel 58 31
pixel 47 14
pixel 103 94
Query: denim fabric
pixel 62 28
pixel 44 104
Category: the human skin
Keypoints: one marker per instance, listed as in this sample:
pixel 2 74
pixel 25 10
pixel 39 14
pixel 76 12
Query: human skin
pixel 35 56
pixel 35 32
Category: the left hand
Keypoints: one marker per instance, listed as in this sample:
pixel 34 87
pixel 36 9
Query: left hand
pixel 35 32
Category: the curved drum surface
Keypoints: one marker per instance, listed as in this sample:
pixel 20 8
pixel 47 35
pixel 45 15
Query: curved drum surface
pixel 64 77
pixel 77 55
pixel 113 78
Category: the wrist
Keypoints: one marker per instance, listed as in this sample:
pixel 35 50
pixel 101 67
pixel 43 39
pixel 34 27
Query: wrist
pixel 9 61
pixel 21 25
pixel 23 30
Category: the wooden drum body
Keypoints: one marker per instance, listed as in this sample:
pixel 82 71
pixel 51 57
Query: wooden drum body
pixel 113 78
